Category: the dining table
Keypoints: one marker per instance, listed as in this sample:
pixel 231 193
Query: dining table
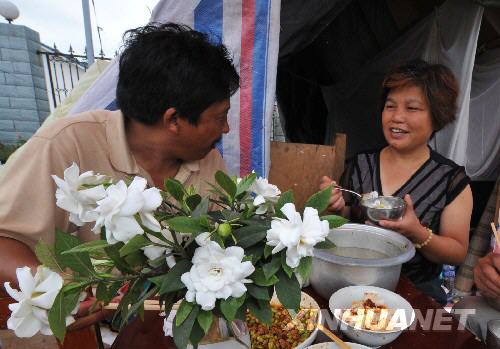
pixel 435 329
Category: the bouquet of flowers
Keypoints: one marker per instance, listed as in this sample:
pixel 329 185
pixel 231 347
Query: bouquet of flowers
pixel 222 255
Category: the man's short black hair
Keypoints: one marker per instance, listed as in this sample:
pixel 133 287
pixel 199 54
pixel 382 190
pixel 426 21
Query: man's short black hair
pixel 172 65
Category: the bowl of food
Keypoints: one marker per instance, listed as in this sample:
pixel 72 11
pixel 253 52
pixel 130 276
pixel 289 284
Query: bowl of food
pixel 370 315
pixel 333 345
pixel 383 208
pixel 363 255
pixel 286 332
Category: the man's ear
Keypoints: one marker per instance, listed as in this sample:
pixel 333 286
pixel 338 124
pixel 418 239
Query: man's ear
pixel 170 119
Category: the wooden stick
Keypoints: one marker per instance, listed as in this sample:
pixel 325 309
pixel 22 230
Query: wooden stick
pixel 114 306
pixel 495 232
pixel 336 339
pixel 149 304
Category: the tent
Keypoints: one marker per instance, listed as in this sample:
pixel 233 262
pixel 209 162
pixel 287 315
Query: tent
pixel 332 56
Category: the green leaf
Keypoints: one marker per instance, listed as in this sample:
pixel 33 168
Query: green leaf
pixel 106 293
pixel 260 279
pixel 226 183
pixel 335 221
pixel 261 310
pixel 62 307
pixel 157 280
pixel 174 188
pixel 272 267
pixel 305 267
pixel 183 331
pixel 135 290
pixel 137 305
pixel 57 318
pixel 320 200
pixel 113 251
pixel 184 224
pixel 258 292
pixel 201 209
pixel 136 259
pixel 88 246
pixel 250 235
pixel 268 250
pixel 196 335
pixel 47 256
pixel 172 281
pixel 74 285
pixel 245 183
pixel 286 268
pixel 285 198
pixel 288 291
pixel 183 312
pixel 78 262
pixel 135 244
pixel 255 251
pixel 324 245
pixel 230 306
pixel 205 319
pixel 192 201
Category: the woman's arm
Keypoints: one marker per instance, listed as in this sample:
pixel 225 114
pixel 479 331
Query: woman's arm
pixel 450 246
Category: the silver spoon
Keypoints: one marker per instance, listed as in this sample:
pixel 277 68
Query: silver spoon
pixel 347 190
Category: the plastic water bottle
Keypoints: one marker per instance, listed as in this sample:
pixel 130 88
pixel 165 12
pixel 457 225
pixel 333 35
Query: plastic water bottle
pixel 449 280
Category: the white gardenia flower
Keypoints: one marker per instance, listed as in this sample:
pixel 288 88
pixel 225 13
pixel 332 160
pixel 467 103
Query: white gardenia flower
pixel 297 236
pixel 266 194
pixel 154 251
pixel 116 211
pixel 35 298
pixel 216 273
pixel 203 239
pixel 72 197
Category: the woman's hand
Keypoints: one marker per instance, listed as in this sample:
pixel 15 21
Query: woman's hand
pixel 337 202
pixel 88 314
pixel 487 275
pixel 409 225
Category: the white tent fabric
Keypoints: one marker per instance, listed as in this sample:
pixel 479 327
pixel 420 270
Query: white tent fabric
pixel 483 146
pixel 453 42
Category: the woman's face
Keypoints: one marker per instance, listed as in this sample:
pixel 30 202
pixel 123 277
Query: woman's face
pixel 406 118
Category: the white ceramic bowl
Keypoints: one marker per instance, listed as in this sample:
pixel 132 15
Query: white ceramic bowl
pixel 343 298
pixel 307 302
pixel 333 345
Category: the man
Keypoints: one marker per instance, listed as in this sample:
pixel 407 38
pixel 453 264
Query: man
pixel 173 93
pixel 482 269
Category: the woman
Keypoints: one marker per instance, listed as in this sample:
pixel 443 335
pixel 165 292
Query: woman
pixel 418 99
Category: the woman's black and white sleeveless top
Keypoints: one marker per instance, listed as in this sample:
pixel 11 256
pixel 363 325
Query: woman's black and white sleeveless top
pixel 433 186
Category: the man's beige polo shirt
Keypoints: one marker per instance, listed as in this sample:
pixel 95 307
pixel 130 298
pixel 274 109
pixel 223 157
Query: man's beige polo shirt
pixel 95 141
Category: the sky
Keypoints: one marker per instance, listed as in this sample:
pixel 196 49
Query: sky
pixel 61 21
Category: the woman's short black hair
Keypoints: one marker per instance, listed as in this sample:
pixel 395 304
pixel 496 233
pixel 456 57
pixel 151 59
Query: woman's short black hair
pixel 172 65
pixel 438 85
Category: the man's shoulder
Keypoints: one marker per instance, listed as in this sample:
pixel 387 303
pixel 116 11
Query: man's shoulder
pixel 84 122
pixel 212 161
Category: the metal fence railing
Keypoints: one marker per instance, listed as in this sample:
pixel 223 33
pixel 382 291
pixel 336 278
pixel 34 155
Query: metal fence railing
pixel 62 72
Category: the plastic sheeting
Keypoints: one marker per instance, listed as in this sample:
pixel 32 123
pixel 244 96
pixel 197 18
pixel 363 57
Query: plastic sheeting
pixel 483 142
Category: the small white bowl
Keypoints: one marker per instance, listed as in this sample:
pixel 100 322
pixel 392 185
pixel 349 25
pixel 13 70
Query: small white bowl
pixel 307 302
pixel 333 345
pixel 343 298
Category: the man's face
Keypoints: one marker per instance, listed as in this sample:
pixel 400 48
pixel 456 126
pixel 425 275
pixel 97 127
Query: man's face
pixel 195 142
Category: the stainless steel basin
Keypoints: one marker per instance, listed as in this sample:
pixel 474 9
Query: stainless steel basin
pixel 371 256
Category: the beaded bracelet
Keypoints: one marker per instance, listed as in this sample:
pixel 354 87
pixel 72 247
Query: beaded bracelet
pixel 429 238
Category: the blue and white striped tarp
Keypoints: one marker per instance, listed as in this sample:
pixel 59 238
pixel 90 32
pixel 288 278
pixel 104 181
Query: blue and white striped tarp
pixel 250 30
